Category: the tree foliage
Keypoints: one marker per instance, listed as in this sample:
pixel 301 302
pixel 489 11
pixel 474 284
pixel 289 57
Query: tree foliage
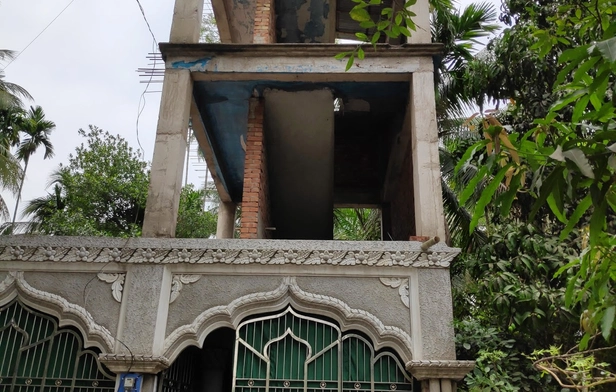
pixel 102 191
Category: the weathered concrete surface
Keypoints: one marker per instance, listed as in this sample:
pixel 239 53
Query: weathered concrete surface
pixel 169 153
pixel 144 309
pixel 428 201
pixel 299 129
pixel 431 308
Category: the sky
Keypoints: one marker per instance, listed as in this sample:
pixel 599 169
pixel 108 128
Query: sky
pixel 82 71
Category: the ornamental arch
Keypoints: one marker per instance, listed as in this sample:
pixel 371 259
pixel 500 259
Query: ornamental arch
pixel 290 351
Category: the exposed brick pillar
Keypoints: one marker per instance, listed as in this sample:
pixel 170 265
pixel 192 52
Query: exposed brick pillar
pixel 265 28
pixel 255 199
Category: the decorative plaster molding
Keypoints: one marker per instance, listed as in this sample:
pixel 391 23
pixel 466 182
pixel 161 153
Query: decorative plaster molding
pixel 15 285
pixel 123 363
pixel 233 252
pixel 117 284
pixel 177 283
pixel 450 369
pixel 287 293
pixel 403 288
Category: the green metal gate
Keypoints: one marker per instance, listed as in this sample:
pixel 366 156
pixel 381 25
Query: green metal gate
pixel 38 356
pixel 290 352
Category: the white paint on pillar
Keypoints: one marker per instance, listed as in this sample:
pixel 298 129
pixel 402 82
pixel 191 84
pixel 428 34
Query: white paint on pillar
pixel 429 218
pixel 422 34
pixel 435 385
pixel 168 160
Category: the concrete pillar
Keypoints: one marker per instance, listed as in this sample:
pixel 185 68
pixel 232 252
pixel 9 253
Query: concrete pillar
pixel 226 220
pixel 431 312
pixel 186 24
pixel 428 200
pixel 422 35
pixel 161 211
pixel 144 310
pixel 168 162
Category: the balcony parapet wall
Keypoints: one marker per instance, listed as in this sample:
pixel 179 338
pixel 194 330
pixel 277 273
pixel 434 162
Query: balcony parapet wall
pixel 234 252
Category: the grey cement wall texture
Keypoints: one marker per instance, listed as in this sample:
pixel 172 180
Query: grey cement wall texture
pixel 368 294
pixel 210 291
pixel 299 135
pixel 83 289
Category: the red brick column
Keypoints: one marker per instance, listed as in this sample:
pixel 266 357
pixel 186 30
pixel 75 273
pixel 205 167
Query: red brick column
pixel 255 199
pixel 264 28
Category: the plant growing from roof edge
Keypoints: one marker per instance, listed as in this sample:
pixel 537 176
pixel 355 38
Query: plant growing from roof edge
pixel 391 23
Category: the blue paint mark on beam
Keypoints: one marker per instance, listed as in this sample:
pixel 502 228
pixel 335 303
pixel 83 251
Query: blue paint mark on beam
pixel 197 65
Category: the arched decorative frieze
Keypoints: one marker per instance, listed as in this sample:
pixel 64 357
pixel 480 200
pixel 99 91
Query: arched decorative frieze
pixel 288 293
pixel 67 313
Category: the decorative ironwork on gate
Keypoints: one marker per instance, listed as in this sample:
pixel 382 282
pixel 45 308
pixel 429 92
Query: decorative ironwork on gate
pixel 290 352
pixel 37 355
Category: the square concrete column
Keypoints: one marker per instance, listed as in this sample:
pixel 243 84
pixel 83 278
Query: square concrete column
pixel 428 199
pixel 161 210
pixel 423 34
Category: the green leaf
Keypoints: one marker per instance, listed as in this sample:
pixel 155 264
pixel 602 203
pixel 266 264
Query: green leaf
pixel 469 153
pixel 361 36
pixel 568 99
pixel 375 38
pixel 576 216
pixel 410 3
pixel 555 201
pixel 546 189
pixel 506 199
pixel 341 55
pixel 579 108
pixel 607 49
pixel 367 25
pixel 607 321
pixel 350 63
pixel 584 68
pixel 575 54
pixel 398 19
pixel 472 184
pixel 577 156
pixel 486 196
pixel 360 53
pixel 359 14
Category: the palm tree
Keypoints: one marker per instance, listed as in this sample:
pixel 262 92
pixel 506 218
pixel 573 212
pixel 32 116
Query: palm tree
pixel 37 130
pixel 11 94
pixel 41 209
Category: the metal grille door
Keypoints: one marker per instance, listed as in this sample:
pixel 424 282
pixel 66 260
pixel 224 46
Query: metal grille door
pixel 37 356
pixel 290 352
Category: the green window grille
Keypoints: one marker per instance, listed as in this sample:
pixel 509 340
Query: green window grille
pixel 290 352
pixel 37 356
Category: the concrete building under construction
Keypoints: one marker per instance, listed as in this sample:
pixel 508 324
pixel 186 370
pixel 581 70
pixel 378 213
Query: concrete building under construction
pixel 288 135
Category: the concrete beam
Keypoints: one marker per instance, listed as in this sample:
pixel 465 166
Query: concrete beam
pixel 215 63
pixel 208 151
pixel 222 21
pixel 226 220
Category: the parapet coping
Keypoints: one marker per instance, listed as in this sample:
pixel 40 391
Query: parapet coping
pixel 227 251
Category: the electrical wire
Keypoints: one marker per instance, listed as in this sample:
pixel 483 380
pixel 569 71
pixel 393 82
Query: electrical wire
pixel 145 91
pixel 39 34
